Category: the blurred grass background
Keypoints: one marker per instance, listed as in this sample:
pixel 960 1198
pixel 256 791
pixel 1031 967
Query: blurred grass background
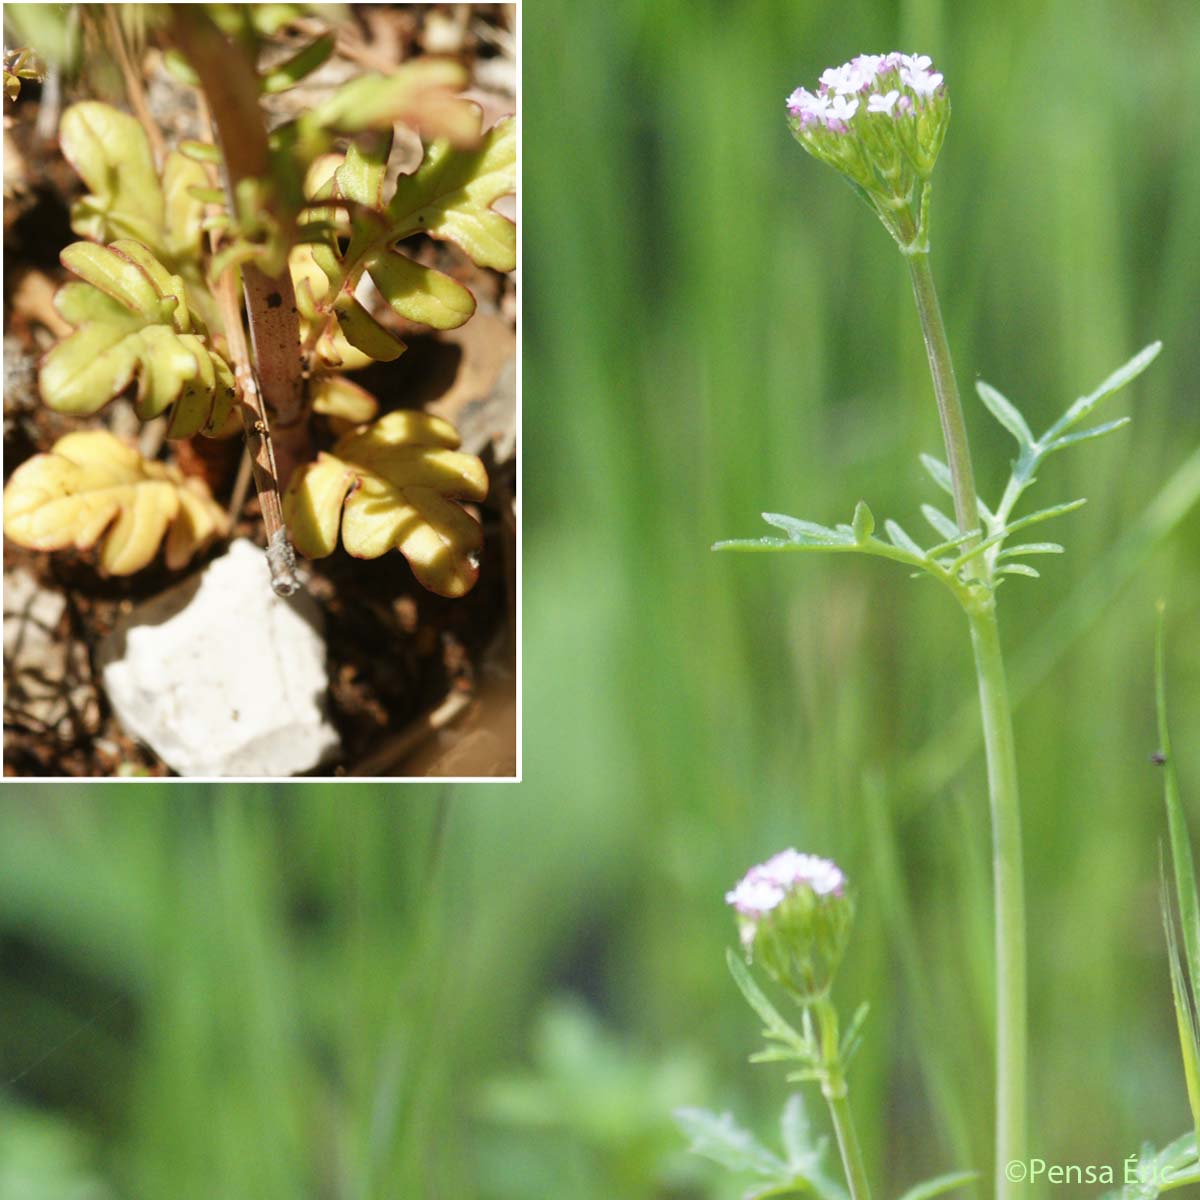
pixel 501 992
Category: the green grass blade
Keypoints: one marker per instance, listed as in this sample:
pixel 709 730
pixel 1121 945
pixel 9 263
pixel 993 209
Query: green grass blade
pixel 1185 1017
pixel 1181 849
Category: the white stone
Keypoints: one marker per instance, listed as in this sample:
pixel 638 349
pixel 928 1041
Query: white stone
pixel 220 676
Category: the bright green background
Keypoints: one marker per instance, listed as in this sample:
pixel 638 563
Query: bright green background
pixel 501 992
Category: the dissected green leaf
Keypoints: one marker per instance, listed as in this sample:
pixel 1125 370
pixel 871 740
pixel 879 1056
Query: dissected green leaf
pixel 449 197
pixel 1030 548
pixel 901 540
pixel 311 287
pixel 938 472
pixel 807 533
pixel 133 323
pixel 92 487
pixel 774 1024
pixel 940 523
pixel 719 1138
pixel 1085 405
pixel 111 153
pixel 1086 435
pixel 394 485
pixel 1161 1171
pixel 1006 413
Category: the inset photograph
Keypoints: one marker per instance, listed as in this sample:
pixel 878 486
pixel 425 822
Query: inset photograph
pixel 261 409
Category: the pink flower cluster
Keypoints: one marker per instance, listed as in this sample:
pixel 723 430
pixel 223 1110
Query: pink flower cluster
pixel 837 98
pixel 764 886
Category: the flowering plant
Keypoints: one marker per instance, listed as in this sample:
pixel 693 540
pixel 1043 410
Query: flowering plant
pixel 880 120
pixel 794 916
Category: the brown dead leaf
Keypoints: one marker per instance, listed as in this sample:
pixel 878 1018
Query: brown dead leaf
pixel 33 302
pixel 481 402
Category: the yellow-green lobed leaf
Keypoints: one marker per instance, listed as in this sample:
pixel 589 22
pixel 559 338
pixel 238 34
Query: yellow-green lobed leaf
pixel 394 484
pixel 111 154
pixel 133 323
pixel 92 487
pixel 451 194
pixel 449 197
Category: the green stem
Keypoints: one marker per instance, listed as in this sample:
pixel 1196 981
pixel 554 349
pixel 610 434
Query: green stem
pixel 996 709
pixel 945 389
pixel 837 1096
pixel 1008 872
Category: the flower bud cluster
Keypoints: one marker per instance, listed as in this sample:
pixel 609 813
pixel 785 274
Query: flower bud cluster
pixel 880 119
pixel 794 917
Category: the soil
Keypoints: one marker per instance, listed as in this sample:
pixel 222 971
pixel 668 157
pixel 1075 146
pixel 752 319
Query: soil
pixel 419 685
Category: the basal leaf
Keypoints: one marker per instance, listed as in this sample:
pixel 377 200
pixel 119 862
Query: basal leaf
pixel 719 1138
pixel 183 209
pixel 419 293
pixel 312 286
pixel 335 396
pixel 448 197
pixel 451 196
pixel 133 323
pixel 92 488
pixel 365 333
pixel 111 154
pixel 394 485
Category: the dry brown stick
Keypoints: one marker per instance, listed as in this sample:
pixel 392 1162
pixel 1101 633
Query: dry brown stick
pixel 241 485
pixel 133 83
pixel 280 558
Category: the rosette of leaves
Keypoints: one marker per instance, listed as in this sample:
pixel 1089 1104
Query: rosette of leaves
pixel 133 322
pixel 394 484
pixel 448 197
pixel 92 488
